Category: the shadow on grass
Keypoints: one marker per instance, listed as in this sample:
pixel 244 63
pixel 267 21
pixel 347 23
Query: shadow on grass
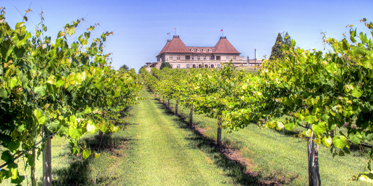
pixel 79 171
pixel 234 168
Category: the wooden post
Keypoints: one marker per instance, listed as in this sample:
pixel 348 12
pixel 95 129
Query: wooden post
pixel 47 159
pixel 191 116
pixel 33 181
pixel 218 139
pixel 177 104
pixel 313 162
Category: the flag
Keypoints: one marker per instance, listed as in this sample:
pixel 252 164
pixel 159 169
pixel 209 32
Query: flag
pixel 221 30
pixel 174 29
pixel 168 33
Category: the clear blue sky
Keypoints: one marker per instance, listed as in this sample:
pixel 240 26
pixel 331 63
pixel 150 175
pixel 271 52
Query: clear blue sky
pixel 140 26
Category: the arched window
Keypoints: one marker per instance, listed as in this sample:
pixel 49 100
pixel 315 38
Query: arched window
pixel 187 66
pixel 206 66
pixel 212 65
pixel 199 66
pixel 218 66
pixel 194 66
pixel 197 49
pixel 204 50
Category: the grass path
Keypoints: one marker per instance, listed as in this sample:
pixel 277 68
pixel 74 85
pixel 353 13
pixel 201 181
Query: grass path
pixel 161 152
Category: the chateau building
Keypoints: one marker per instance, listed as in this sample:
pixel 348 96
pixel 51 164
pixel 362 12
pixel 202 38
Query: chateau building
pixel 179 55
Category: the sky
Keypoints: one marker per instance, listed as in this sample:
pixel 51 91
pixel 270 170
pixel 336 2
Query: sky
pixel 140 26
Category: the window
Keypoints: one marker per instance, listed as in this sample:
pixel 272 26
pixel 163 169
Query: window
pixel 187 57
pixel 170 57
pixel 178 65
pixel 218 66
pixel 227 57
pixel 210 50
pixel 197 49
pixel 187 66
pixel 211 57
pixel 217 57
pixel 194 66
pixel 178 57
pixel 204 50
pixel 192 57
pixel 198 58
pixel 212 65
pixel 192 50
pixel 234 57
pixel 204 57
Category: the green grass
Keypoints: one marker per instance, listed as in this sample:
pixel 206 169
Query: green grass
pixel 156 148
pixel 283 157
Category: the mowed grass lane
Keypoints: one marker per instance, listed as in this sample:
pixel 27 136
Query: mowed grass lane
pixel 161 154
pixel 283 157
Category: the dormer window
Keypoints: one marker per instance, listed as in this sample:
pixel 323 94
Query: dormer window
pixel 210 50
pixel 192 50
pixel 198 50
pixel 204 50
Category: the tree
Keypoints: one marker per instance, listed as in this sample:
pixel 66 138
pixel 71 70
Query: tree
pixel 165 64
pixel 277 48
pixel 143 67
pixel 124 66
pixel 287 39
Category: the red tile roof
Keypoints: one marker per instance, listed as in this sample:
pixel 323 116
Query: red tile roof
pixel 224 46
pixel 176 45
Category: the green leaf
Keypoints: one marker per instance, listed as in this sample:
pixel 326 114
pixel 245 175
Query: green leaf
pixel 356 92
pixel 310 119
pixel 71 30
pixel 59 83
pixel 61 34
pixel 355 137
pixel 327 141
pixel 339 142
pixel 91 127
pixel 14 172
pixel 62 131
pixel 40 90
pixel 39 116
pixel 53 125
pixel 319 129
pixel 97 155
pixel 366 176
pixel 6 156
pixel 12 146
pixel 87 110
pixel 3 92
pixel 86 154
pixel 75 133
pixel 13 82
pixel 280 125
pixel 289 126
